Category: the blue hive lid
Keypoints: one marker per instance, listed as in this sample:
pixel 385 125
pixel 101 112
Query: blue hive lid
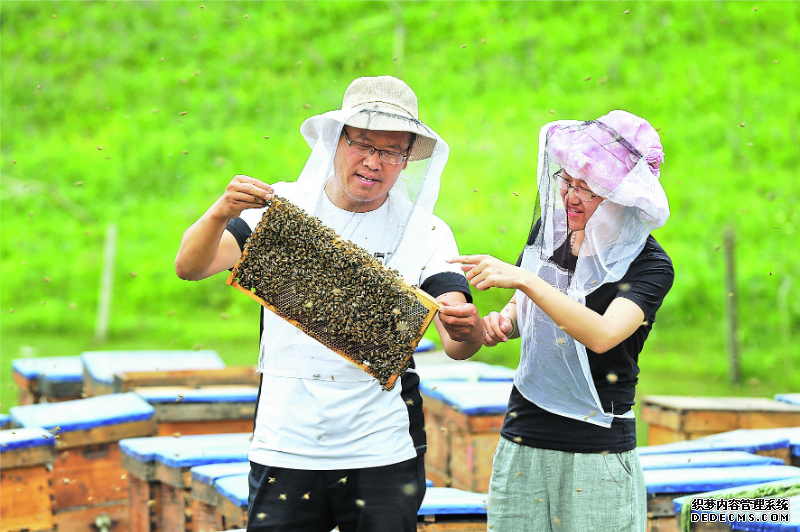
pixel 5 421
pixel 144 449
pixel 25 438
pixel 56 369
pixel 791 398
pixel 206 449
pixel 84 414
pixel 208 474
pixel 735 440
pixel 706 459
pixel 102 365
pixel 704 479
pixel 464 370
pixel 793 433
pixel 157 448
pixel 234 488
pixel 424 345
pixel 470 398
pixel 451 501
pixel 211 394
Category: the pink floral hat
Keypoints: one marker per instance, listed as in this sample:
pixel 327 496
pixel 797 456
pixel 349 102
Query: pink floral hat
pixel 603 151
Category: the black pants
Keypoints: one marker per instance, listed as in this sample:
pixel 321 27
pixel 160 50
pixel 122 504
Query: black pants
pixel 374 499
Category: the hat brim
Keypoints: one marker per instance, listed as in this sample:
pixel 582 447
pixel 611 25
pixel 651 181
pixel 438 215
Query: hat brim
pixel 376 119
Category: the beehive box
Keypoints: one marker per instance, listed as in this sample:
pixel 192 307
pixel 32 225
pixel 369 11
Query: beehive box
pixel 209 410
pixel 50 378
pixel 206 498
pixel 660 518
pixel 764 442
pixel 463 421
pixel 163 469
pixel 126 381
pixel 88 478
pixel 678 418
pixel 334 291
pixel 232 501
pixel 26 485
pixel 666 485
pixel 99 367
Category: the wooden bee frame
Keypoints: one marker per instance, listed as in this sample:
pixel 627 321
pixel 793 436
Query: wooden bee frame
pixel 334 291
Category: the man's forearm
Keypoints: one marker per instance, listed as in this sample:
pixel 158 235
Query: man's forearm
pixel 199 247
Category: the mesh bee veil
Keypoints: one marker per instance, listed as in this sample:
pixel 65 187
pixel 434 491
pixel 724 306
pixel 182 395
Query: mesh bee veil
pixel 618 156
pixel 378 104
pixel 417 188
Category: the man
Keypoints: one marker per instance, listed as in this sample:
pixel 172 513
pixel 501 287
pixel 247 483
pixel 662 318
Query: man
pixel 330 447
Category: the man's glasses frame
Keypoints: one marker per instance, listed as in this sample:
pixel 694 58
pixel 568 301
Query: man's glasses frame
pixel 365 150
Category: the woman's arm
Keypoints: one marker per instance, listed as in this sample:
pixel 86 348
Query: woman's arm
pixel 598 332
pixel 501 326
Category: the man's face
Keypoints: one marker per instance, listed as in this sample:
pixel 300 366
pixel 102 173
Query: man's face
pixel 363 182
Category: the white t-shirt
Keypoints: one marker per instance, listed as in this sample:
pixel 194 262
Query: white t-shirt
pixel 317 410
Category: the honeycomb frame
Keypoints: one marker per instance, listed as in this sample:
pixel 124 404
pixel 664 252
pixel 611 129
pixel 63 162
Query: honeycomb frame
pixel 301 270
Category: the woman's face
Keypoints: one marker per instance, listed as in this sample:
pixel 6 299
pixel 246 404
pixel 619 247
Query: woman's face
pixel 579 201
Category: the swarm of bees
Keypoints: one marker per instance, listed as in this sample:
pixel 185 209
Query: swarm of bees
pixel 334 291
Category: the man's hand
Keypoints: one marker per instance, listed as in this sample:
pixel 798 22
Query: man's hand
pixel 243 192
pixel 206 248
pixel 460 326
pixel 461 321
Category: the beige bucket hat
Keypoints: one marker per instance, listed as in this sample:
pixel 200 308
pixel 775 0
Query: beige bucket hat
pixel 381 103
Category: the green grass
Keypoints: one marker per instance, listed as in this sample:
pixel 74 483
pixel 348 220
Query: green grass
pixel 696 70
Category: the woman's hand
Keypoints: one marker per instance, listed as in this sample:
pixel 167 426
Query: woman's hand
pixel 497 329
pixel 484 272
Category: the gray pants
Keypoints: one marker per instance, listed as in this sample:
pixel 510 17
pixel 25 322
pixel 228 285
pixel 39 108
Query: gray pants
pixel 539 490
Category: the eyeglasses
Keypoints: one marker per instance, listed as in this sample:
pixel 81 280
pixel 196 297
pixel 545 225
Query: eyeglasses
pixel 584 194
pixel 365 150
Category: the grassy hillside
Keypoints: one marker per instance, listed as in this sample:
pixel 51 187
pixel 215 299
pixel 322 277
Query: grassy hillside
pixel 138 114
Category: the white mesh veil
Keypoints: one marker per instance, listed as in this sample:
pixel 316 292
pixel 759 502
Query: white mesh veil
pixel 417 188
pixel 414 193
pixel 554 370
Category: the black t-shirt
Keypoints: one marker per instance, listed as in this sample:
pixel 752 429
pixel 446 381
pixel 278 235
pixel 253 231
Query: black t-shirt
pixel 646 283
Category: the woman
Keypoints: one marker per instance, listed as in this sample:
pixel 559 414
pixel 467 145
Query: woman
pixel 588 286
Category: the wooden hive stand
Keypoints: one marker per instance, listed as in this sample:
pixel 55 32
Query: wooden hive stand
pixel 678 418
pixel 99 367
pixel 463 421
pixel 205 497
pixel 26 485
pixel 88 478
pixel 208 410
